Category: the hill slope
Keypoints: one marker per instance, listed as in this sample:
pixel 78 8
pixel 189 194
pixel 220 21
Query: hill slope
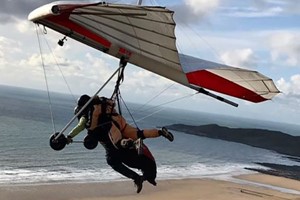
pixel 272 140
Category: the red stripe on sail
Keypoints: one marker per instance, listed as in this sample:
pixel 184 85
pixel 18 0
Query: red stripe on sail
pixel 124 52
pixel 217 83
pixel 63 20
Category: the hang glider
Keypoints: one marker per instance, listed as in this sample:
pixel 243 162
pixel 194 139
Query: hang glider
pixel 145 36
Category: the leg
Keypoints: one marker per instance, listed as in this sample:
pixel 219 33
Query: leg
pixel 151 133
pixel 144 162
pixel 133 133
pixel 115 162
pixel 148 165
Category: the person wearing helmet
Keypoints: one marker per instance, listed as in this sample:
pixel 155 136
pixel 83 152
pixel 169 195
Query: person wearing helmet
pixel 118 156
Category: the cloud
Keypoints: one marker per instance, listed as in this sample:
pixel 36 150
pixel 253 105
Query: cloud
pixel 285 47
pixel 12 10
pixel 11 64
pixel 201 7
pixel 253 11
pixel 290 89
pixel 263 8
pixel 240 58
pixel 293 7
pixel 144 82
pixel 20 61
pixel 8 48
pixel 193 11
pixel 23 26
pixel 287 6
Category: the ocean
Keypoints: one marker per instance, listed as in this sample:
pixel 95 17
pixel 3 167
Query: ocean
pixel 26 157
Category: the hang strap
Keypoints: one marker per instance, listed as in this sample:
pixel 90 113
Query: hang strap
pixel 116 93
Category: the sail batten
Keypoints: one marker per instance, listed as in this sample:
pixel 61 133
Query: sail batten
pixel 88 22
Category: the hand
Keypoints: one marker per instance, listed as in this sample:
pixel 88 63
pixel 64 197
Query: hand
pixel 69 140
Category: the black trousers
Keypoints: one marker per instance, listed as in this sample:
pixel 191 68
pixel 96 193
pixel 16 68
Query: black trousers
pixel 121 160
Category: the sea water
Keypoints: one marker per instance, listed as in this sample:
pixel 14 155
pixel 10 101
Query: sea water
pixel 26 157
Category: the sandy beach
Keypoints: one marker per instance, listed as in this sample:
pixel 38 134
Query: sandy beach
pixel 193 189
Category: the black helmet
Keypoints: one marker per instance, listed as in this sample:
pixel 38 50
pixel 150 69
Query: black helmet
pixel 76 109
pixel 83 100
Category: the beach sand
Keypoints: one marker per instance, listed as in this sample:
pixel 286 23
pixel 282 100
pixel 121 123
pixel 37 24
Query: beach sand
pixel 182 189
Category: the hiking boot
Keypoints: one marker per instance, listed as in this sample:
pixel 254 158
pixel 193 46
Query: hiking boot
pixel 138 182
pixel 152 181
pixel 164 132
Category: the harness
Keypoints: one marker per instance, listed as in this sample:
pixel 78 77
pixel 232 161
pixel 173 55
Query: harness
pixel 106 120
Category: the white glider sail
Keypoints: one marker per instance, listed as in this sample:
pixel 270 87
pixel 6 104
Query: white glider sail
pixel 145 36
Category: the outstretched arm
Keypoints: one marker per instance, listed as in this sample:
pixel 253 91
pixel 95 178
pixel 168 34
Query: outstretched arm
pixel 78 128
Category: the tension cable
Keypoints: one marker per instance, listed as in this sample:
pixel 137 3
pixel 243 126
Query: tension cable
pixel 160 105
pixel 61 72
pixel 46 80
pixel 154 97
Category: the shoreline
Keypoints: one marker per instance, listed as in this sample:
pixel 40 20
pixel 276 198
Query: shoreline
pixel 272 181
pixel 196 188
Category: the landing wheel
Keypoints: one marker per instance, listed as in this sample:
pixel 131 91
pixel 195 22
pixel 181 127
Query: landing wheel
pixel 90 142
pixel 59 143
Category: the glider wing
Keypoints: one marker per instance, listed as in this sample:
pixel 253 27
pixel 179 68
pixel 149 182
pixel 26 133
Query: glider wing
pixel 145 35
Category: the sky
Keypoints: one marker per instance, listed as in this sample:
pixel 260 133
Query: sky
pixel 262 35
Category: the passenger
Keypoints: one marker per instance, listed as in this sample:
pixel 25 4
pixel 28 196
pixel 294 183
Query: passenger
pixel 117 137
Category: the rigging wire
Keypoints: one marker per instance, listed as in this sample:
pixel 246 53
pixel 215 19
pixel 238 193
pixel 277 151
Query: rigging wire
pixel 154 97
pixel 174 100
pixel 153 113
pixel 212 49
pixel 160 105
pixel 46 81
pixel 119 97
pixel 134 121
pixel 61 72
